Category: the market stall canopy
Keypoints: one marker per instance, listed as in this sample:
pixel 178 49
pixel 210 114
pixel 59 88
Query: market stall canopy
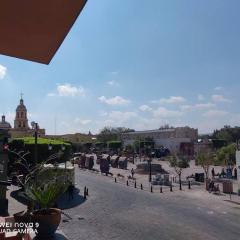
pixel 34 29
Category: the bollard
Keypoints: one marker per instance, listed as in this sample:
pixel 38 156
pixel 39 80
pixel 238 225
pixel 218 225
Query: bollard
pixel 141 187
pixel 161 189
pixel 171 188
pixel 127 182
pixel 115 179
pixel 189 184
pixel 135 184
pixel 151 189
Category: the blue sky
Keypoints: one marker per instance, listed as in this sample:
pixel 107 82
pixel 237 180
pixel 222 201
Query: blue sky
pixel 138 64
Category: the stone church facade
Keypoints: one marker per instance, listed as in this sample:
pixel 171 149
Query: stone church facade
pixel 21 126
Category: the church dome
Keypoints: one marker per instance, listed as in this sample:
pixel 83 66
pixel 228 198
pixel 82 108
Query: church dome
pixel 4 124
pixel 21 106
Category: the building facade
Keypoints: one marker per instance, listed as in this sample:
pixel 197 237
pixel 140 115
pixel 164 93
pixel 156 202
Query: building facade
pixel 174 139
pixel 21 127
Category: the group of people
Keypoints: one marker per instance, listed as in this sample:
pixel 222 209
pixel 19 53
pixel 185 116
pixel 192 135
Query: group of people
pixel 233 173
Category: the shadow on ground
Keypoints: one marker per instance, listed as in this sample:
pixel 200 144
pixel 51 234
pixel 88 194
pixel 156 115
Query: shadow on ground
pixel 57 236
pixel 64 202
pixel 19 196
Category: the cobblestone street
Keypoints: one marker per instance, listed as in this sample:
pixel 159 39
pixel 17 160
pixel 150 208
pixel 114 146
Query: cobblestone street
pixel 115 211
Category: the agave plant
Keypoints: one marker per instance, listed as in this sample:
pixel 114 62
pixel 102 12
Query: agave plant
pixel 45 194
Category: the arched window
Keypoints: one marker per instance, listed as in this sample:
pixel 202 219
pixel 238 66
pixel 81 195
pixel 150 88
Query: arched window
pixel 21 114
pixel 18 115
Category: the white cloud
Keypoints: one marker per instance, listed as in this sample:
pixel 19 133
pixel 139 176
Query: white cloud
pixel 3 71
pixel 220 98
pixel 113 83
pixel 82 121
pixel 215 113
pixel 172 100
pixel 218 88
pixel 186 107
pixel 204 105
pixel 198 106
pixel 145 108
pixel 68 90
pixel 117 100
pixel 116 119
pixel 122 116
pixel 165 113
pixel 200 97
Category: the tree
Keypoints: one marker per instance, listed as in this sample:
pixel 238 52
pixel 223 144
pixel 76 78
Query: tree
pixel 227 133
pixel 178 163
pixel 112 134
pixel 205 159
pixel 226 155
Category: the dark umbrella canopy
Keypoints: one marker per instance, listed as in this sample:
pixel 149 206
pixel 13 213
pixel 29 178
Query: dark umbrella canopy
pixel 34 30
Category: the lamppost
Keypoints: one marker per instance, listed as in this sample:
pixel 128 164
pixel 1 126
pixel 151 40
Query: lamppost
pixel 150 169
pixel 35 127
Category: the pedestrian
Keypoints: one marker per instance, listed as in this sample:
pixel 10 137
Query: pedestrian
pixel 213 173
pixel 211 186
pixel 132 172
pixel 235 173
pixel 223 173
pixel 70 191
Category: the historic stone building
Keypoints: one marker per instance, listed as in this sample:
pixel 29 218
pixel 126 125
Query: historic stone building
pixel 21 121
pixel 4 124
pixel 21 127
pixel 175 139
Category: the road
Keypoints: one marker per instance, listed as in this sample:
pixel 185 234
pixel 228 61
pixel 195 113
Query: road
pixel 115 211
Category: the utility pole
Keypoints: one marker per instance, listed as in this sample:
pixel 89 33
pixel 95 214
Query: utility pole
pixel 35 143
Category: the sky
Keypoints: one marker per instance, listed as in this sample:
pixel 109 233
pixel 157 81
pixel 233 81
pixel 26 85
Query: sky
pixel 137 64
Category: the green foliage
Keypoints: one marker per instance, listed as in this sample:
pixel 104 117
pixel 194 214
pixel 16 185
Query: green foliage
pixel 218 143
pixel 46 193
pixel 178 162
pixel 226 155
pixel 27 144
pixel 114 145
pixel 129 148
pixel 112 134
pixel 31 140
pixel 227 133
pixel 205 159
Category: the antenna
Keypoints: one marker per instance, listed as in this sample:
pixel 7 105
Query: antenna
pixel 55 126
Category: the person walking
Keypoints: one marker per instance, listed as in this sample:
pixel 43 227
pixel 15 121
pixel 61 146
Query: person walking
pixel 70 191
pixel 213 173
pixel 132 172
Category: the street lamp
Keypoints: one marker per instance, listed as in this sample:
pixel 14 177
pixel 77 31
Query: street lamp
pixel 150 169
pixel 35 127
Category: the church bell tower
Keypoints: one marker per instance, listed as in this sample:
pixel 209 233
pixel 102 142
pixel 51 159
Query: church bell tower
pixel 21 121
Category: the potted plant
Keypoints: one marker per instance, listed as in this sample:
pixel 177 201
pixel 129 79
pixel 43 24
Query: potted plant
pixel 45 195
pixel 42 187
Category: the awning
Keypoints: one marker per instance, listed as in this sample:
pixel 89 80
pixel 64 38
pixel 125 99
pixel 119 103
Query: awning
pixel 34 29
